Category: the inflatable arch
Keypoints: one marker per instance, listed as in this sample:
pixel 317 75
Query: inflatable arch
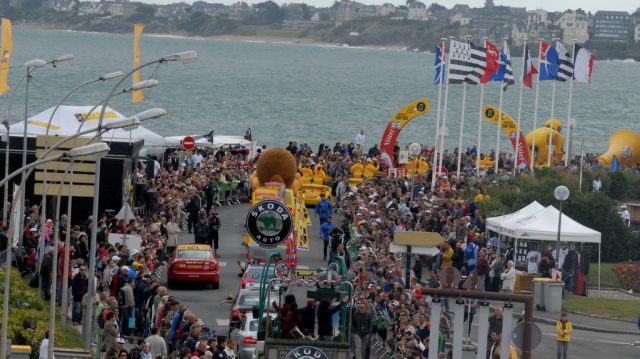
pixel 625 145
pixel 510 128
pixel 397 123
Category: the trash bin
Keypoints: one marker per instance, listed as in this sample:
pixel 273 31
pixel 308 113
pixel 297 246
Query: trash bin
pixel 20 352
pixel 538 292
pixel 553 296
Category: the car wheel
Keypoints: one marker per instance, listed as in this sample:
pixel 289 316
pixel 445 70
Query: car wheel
pixel 215 285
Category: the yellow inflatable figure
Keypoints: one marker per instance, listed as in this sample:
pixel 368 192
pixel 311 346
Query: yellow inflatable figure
pixel 357 170
pixel 625 145
pixel 307 173
pixel 487 162
pixel 542 142
pixel 370 169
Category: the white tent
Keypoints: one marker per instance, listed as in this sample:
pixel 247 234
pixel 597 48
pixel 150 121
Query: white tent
pixel 542 225
pixel 496 223
pixel 67 121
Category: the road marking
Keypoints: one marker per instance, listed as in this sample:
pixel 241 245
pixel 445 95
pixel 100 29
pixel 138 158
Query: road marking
pixel 222 322
pixel 302 267
pixel 597 340
pixel 222 264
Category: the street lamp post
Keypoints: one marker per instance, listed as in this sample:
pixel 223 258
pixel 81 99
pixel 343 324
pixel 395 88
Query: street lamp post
pixel 76 152
pixel 414 151
pixel 32 65
pixel 561 193
pixel 184 57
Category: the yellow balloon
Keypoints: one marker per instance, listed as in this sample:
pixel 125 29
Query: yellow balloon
pixel 625 145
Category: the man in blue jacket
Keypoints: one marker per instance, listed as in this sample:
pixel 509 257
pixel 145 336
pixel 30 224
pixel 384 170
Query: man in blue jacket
pixel 323 208
pixel 325 229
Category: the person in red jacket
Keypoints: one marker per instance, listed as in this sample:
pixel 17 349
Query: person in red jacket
pixel 288 316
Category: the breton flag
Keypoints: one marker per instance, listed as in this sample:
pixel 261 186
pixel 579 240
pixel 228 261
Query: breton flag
pixel 529 70
pixel 583 64
pixel 492 62
pixel 549 63
pixel 505 72
pixel 460 64
pixel 479 60
pixel 565 69
pixel 440 64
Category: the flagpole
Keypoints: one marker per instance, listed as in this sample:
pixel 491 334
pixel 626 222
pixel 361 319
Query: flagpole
pixel 535 107
pixel 581 162
pixel 567 147
pixel 444 110
pixel 504 46
pixel 480 120
pixel 435 142
pixel 553 103
pixel 464 100
pixel 515 163
pixel 479 128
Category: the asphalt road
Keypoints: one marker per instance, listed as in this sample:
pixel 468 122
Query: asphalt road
pixel 206 302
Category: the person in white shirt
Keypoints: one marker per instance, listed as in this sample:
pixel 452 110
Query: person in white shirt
pixel 597 184
pixel 44 347
pixel 508 278
pixel 626 217
pixel 562 255
pixel 360 139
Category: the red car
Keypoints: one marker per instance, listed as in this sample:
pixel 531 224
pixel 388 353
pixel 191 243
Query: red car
pixel 193 263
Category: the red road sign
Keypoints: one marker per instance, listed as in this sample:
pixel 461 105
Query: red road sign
pixel 188 143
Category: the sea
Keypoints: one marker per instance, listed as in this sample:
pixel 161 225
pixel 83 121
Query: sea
pixel 309 93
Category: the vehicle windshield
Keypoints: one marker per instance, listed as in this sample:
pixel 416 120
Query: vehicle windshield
pixel 255 273
pixel 249 300
pixel 194 254
pixel 253 326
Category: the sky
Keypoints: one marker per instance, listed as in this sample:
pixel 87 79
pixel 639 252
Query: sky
pixel 550 5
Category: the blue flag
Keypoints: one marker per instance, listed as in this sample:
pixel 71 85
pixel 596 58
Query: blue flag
pixel 439 64
pixel 549 63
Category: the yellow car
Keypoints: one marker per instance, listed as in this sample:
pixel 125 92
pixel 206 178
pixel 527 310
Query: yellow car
pixel 311 193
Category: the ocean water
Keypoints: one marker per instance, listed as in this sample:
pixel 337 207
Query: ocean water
pixel 308 93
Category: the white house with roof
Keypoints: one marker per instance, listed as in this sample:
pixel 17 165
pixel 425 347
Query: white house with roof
pixel 574 26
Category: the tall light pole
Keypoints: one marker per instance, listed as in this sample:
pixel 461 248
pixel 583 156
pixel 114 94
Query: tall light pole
pixel 76 152
pixel 561 193
pixel 184 57
pixel 32 65
pixel 414 151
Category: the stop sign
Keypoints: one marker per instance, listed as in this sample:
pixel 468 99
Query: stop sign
pixel 188 143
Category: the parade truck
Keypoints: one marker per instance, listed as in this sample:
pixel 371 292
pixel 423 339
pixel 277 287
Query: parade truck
pixel 299 237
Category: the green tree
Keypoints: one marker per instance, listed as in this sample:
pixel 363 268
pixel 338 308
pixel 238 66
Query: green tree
pixel 266 13
pixel 436 7
pixel 143 13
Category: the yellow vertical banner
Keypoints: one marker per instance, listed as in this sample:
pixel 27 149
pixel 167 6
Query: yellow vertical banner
pixel 137 95
pixel 5 53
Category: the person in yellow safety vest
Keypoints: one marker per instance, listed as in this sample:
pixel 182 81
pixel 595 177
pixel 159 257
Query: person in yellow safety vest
pixel 496 347
pixel 357 169
pixel 487 162
pixel 563 335
pixel 305 170
pixel 319 175
pixel 370 169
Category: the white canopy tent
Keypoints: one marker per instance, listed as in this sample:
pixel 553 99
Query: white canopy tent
pixel 495 223
pixel 67 121
pixel 542 225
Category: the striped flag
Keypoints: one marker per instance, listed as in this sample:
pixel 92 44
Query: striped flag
pixel 565 70
pixel 583 64
pixel 440 64
pixel 460 64
pixel 529 70
pixel 479 60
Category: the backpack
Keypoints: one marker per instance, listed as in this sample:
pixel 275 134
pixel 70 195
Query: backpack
pixel 103 317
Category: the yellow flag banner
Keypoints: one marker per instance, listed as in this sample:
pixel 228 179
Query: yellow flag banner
pixel 138 95
pixel 5 53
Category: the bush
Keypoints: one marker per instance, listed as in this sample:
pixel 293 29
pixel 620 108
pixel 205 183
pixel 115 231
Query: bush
pixel 629 276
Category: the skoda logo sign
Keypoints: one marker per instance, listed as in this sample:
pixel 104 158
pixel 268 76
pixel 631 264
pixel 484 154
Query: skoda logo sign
pixel 269 223
pixel 306 353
